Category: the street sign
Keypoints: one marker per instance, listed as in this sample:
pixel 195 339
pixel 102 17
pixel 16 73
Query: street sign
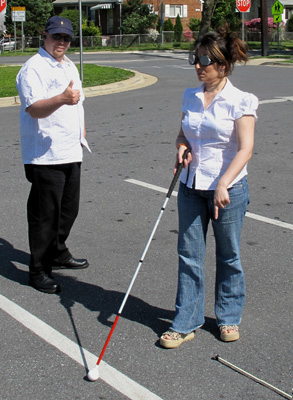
pixel 2 5
pixel 277 19
pixel 243 5
pixel 277 8
pixel 18 14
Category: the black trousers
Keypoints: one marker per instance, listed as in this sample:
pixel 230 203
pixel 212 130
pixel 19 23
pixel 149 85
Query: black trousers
pixel 52 208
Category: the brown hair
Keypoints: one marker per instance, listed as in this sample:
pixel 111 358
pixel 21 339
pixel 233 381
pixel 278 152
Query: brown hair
pixel 223 46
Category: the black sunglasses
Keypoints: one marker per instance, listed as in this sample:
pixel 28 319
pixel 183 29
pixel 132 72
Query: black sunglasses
pixel 58 36
pixel 203 60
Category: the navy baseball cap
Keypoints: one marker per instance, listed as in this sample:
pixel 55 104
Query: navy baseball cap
pixel 58 24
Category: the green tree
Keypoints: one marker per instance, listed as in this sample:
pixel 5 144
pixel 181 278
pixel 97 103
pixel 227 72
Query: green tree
pixel 136 17
pixel 37 12
pixel 194 24
pixel 168 26
pixel 178 29
pixel 224 11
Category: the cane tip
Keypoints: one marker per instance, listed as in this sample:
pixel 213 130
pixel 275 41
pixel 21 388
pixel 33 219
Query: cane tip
pixel 93 374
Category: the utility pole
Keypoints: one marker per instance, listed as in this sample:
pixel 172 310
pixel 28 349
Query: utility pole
pixel 264 28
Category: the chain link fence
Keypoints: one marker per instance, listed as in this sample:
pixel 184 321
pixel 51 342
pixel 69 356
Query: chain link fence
pixel 125 41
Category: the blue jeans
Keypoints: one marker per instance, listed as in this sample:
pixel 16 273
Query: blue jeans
pixel 196 209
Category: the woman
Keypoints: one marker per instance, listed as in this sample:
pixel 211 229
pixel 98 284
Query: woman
pixel 218 127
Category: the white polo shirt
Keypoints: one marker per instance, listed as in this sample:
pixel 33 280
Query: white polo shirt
pixel 211 133
pixel 56 139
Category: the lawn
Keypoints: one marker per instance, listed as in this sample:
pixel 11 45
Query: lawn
pixel 93 75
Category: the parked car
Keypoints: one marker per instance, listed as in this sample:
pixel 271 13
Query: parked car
pixel 7 44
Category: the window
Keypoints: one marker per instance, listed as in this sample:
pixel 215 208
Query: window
pixel 175 10
pixel 171 11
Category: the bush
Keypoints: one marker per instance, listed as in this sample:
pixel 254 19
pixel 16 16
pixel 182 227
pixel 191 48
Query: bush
pixel 91 29
pixel 194 24
pixel 178 29
pixel 255 24
pixel 168 26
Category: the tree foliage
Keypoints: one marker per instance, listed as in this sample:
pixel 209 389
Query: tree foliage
pixel 168 26
pixel 194 24
pixel 136 17
pixel 218 12
pixel 224 11
pixel 37 12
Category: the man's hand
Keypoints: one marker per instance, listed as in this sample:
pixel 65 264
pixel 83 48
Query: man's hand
pixel 72 96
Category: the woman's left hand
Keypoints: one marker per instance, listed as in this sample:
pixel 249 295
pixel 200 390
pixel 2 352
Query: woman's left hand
pixel 221 199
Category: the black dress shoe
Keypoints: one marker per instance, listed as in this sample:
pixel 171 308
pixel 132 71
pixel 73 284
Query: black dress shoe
pixel 73 263
pixel 44 283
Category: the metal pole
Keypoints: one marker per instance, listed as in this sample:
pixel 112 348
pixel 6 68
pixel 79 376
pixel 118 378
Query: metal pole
pixel 120 6
pixel 278 32
pixel 15 37
pixel 22 38
pixel 243 26
pixel 80 39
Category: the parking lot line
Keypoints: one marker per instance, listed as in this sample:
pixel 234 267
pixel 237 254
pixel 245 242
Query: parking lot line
pixel 248 214
pixel 110 375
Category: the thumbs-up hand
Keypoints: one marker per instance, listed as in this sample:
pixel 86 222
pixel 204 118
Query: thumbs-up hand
pixel 71 96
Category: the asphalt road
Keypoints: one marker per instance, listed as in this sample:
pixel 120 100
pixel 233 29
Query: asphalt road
pixel 49 341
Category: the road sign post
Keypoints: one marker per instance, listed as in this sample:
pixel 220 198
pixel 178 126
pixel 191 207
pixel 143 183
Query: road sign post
pixel 18 15
pixel 243 6
pixel 277 11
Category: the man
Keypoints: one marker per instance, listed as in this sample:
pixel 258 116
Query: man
pixel 52 133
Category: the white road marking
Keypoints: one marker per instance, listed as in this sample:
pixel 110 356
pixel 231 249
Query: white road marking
pixel 248 214
pixel 110 375
pixel 277 100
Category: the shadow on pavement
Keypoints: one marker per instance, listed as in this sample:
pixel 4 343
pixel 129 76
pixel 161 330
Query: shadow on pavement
pixel 94 297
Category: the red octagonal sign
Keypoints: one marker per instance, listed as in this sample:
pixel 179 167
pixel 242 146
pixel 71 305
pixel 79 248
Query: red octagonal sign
pixel 2 5
pixel 242 5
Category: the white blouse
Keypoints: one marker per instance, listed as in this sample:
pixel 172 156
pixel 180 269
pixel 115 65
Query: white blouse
pixel 211 133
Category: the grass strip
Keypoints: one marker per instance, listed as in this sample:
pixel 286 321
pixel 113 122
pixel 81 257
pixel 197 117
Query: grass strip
pixel 93 75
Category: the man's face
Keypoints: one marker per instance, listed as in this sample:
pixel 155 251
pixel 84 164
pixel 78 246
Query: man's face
pixel 57 44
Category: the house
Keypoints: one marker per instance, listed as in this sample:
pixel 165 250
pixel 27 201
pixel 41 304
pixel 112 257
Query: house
pixel 107 13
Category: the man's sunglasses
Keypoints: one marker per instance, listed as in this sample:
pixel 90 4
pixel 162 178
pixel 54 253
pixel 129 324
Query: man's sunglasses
pixel 58 36
pixel 203 60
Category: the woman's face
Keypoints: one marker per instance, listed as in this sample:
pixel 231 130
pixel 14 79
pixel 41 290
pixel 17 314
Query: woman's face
pixel 208 70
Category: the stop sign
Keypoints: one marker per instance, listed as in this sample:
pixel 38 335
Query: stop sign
pixel 2 5
pixel 243 5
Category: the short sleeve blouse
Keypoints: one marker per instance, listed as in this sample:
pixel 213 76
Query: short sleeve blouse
pixel 211 133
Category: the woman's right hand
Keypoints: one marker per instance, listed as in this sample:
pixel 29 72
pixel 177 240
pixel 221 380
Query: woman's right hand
pixel 179 157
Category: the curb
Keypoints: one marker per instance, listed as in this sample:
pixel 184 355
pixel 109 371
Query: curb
pixel 138 81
